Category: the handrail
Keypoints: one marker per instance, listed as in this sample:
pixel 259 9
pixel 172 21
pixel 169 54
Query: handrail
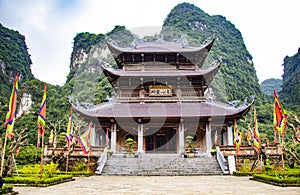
pixel 101 162
pixel 221 160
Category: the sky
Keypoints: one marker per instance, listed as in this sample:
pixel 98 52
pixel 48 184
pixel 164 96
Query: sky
pixel 270 29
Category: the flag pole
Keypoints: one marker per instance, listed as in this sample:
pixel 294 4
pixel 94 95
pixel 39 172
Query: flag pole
pixel 236 156
pixel 67 162
pixel 88 168
pixel 42 157
pixel 282 158
pixel 3 154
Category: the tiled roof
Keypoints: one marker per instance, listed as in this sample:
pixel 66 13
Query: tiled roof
pixel 155 110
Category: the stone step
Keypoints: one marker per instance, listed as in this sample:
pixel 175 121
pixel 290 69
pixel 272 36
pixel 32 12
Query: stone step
pixel 161 164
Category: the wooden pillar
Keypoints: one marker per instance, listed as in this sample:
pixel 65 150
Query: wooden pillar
pixel 181 137
pixel 208 136
pixel 113 145
pixel 229 135
pixel 140 138
pixel 94 134
pixel 225 139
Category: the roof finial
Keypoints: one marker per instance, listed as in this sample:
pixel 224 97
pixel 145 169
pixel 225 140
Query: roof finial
pixel 184 41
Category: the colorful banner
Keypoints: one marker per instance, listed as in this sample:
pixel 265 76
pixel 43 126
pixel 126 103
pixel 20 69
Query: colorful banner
pixel 256 137
pixel 10 116
pixel 42 114
pixel 238 136
pixel 280 117
pixel 69 135
pixel 85 139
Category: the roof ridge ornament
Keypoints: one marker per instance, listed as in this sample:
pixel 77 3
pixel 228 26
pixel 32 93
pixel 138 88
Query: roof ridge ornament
pixel 184 41
pixel 111 42
pixel 235 103
pixel 134 44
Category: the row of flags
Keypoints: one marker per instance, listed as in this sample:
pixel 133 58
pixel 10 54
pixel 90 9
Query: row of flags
pixel 280 124
pixel 84 139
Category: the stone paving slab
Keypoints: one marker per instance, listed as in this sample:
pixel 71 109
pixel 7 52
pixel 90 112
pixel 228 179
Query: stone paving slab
pixel 154 185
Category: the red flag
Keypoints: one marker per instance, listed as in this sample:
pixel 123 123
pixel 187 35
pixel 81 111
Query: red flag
pixel 10 116
pixel 280 117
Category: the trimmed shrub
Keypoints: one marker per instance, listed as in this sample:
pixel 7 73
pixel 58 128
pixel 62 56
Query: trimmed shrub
pixel 279 180
pixel 6 189
pixel 36 180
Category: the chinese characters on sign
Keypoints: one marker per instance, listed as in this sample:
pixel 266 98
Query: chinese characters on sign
pixel 160 90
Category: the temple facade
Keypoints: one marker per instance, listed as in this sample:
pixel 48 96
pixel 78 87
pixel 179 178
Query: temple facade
pixel 160 99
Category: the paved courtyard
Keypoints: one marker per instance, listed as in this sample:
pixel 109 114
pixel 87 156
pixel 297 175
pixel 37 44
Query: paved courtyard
pixel 186 185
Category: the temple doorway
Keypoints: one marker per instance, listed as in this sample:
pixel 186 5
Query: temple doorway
pixel 162 141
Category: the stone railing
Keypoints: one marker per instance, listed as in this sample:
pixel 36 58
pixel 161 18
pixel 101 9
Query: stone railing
pixel 77 152
pixel 101 162
pixel 222 161
pixel 271 150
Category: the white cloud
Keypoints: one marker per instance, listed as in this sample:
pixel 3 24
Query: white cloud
pixel 270 28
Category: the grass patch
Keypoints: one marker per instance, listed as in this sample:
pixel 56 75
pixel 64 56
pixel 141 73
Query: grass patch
pixel 36 181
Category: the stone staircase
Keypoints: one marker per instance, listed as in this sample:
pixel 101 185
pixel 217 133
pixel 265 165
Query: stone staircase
pixel 161 165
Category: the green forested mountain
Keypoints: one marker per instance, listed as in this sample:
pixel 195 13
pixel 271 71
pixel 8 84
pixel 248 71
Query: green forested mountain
pixel 237 77
pixel 14 58
pixel 291 79
pixel 269 85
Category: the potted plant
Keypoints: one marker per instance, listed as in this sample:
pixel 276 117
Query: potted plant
pixel 110 152
pixel 190 149
pixel 130 146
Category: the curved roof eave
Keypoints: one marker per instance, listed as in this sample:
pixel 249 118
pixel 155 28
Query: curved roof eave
pixel 159 48
pixel 212 70
pixel 185 110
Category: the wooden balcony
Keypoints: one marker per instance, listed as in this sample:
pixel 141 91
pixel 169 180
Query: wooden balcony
pixel 160 99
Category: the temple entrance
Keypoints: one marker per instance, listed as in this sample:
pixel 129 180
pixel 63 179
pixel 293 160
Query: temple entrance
pixel 163 140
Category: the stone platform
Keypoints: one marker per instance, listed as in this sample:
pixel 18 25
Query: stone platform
pixel 144 185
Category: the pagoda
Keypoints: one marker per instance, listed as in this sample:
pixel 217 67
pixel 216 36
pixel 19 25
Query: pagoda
pixel 161 98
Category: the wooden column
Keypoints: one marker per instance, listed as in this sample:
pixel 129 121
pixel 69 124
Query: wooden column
pixel 94 134
pixel 140 138
pixel 229 135
pixel 113 143
pixel 208 136
pixel 225 138
pixel 181 137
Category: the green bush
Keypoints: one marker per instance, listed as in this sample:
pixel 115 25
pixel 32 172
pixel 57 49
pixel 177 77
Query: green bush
pixel 277 179
pixel 246 160
pixel 50 169
pixel 6 189
pixel 80 166
pixel 244 173
pixel 245 168
pixel 34 170
pixel 28 155
pixel 36 180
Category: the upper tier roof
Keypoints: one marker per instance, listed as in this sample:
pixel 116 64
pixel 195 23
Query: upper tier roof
pixel 206 74
pixel 194 55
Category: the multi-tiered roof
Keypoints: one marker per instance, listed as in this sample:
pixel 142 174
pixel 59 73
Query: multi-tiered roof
pixel 166 74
